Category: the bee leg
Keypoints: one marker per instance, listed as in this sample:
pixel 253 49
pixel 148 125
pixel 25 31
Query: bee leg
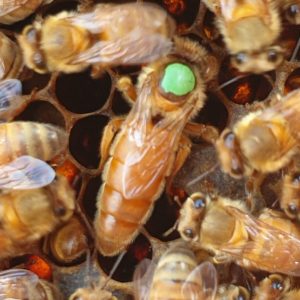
pixel 98 70
pixel 183 151
pixel 254 199
pixel 127 88
pixel 206 132
pixel 109 133
pixel 221 258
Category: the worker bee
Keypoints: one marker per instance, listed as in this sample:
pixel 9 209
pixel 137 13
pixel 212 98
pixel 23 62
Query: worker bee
pixel 149 147
pixel 269 242
pixel 110 35
pixel 28 215
pixel 11 61
pixel 24 147
pixel 177 275
pixel 16 10
pixel 273 287
pixel 250 29
pixel 21 284
pixel 263 141
pixel 232 292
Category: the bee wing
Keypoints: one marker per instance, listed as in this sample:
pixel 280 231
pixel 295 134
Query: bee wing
pixel 10 100
pixel 16 283
pixel 8 6
pixel 142 279
pixel 201 283
pixel 233 10
pixel 137 47
pixel 282 250
pixel 25 172
pixel 151 145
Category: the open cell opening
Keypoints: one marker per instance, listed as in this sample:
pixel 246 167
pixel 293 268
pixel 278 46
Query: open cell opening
pixel 136 252
pixel 120 106
pixel 80 93
pixel 85 139
pixel 35 81
pixel 43 112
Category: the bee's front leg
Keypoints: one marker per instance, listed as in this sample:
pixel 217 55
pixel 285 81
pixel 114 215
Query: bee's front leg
pixel 109 133
pixel 208 133
pixel 127 88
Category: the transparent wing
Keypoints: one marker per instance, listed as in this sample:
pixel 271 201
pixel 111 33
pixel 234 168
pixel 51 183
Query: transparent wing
pixel 142 279
pixel 7 6
pixel 201 283
pixel 268 248
pixel 17 284
pixel 137 47
pixel 10 98
pixel 25 172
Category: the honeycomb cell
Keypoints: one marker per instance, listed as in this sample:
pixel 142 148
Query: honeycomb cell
pixel 158 226
pixel 213 113
pixel 209 29
pixel 35 82
pixel 292 82
pixel 120 106
pixel 44 112
pixel 58 6
pixel 80 93
pixel 89 197
pixel 85 139
pixel 248 89
pixel 288 40
pixel 140 249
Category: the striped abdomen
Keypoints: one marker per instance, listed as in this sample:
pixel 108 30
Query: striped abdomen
pixel 172 273
pixel 21 11
pixel 134 177
pixel 42 141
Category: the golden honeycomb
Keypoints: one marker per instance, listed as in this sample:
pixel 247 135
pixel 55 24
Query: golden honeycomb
pixel 83 106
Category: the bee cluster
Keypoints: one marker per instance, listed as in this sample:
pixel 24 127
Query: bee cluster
pixel 239 215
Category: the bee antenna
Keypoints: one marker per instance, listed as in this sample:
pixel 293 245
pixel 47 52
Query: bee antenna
pixel 203 175
pixel 295 50
pixel 232 80
pixel 114 268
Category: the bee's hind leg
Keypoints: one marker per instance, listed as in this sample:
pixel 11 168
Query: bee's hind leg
pixel 206 132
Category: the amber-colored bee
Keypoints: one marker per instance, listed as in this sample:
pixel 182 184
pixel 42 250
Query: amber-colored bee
pixel 11 61
pixel 28 215
pixel 15 10
pixel 22 284
pixel 150 147
pixel 110 35
pixel 69 242
pixel 274 287
pixel 263 141
pixel 232 292
pixel 177 275
pixel 223 226
pixel 250 29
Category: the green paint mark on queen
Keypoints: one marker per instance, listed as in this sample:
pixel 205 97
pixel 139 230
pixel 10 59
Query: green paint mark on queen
pixel 178 79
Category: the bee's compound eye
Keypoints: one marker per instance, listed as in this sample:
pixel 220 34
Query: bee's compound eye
pixel 240 58
pixel 189 233
pixel 199 203
pixel 293 10
pixel 277 285
pixel 229 139
pixel 243 294
pixel 292 209
pixel 31 34
pixel 273 55
pixel 178 79
pixel 296 178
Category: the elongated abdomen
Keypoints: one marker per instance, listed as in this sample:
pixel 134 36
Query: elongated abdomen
pixel 42 141
pixel 133 180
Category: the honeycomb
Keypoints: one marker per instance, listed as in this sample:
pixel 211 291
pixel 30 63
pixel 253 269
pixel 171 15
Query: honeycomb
pixel 83 106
